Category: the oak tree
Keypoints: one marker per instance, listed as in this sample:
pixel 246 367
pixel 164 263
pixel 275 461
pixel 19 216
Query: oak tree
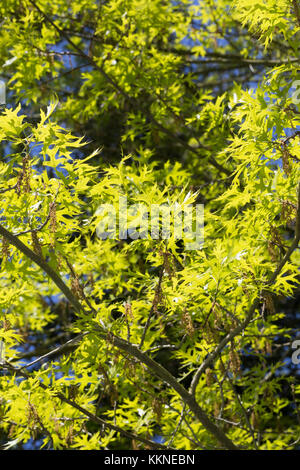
pixel 125 342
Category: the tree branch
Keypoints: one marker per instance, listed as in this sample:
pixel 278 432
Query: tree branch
pixel 13 240
pixel 134 351
pixel 297 11
pixel 125 95
pixel 56 351
pixel 242 326
pixel 167 377
pixel 93 417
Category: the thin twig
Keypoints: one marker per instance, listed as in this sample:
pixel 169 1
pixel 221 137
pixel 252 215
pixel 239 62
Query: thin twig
pixel 156 295
pixel 57 350
pixel 162 373
pixel 87 413
pixel 10 188
pixel 297 11
pixel 125 95
pixel 243 325
pixel 43 225
pixel 13 240
pixel 121 344
pixel 249 427
pixel 181 418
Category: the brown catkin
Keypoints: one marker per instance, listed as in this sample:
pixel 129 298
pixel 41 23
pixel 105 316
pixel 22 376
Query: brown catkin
pixel 12 430
pixel 5 249
pixel 216 409
pixel 210 335
pixel 36 244
pixel 6 325
pixel 59 260
pixel 254 420
pixel 157 409
pixel 167 264
pixel 287 211
pixel 275 242
pixel 272 252
pixel 275 235
pixel 234 361
pixel 209 377
pixel 286 165
pixel 26 173
pixel 268 347
pixel 53 221
pixel 188 323
pixel 69 436
pixel 32 415
pixel 217 316
pixel 23 183
pixel 128 310
pixel 157 298
pixel 269 303
pixel 76 288
pixel 57 427
pixel 19 183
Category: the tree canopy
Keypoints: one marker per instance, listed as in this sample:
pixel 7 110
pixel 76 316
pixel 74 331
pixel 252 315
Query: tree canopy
pixel 138 342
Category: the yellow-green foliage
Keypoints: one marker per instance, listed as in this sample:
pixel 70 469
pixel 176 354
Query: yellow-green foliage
pixel 178 305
